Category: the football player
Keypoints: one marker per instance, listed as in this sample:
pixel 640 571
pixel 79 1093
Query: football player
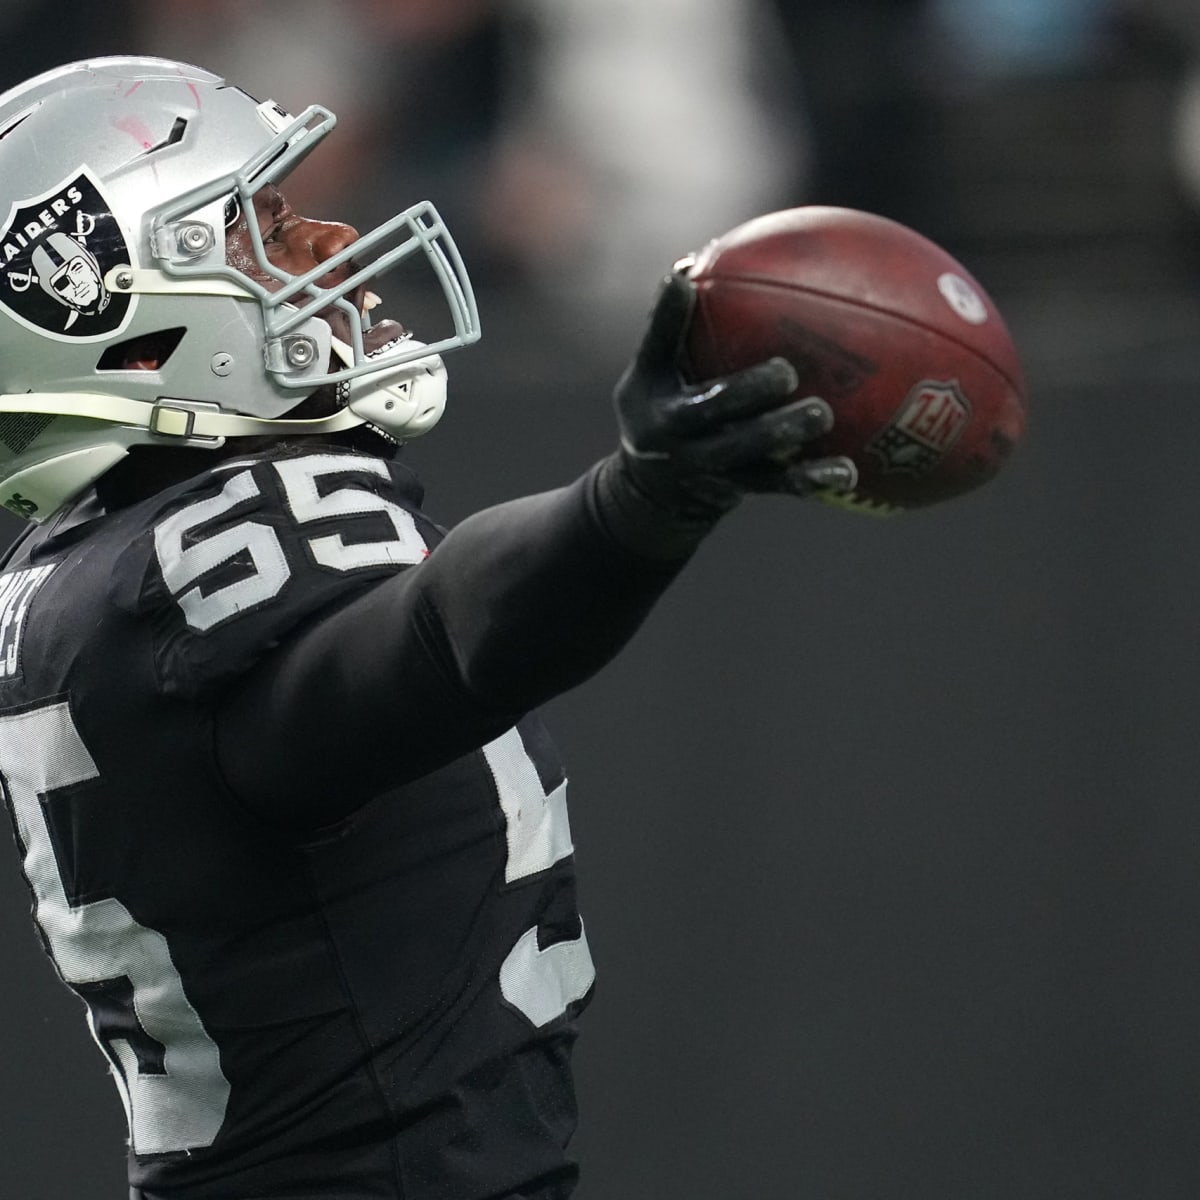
pixel 293 830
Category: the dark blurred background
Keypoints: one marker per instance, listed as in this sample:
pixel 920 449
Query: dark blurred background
pixel 888 831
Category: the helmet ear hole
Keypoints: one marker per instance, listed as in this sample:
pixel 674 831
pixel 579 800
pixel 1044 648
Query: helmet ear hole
pixel 147 351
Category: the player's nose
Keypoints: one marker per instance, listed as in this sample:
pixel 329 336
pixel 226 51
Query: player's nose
pixel 324 239
pixel 331 236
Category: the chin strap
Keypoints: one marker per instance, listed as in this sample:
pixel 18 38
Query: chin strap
pixel 403 404
pixel 191 421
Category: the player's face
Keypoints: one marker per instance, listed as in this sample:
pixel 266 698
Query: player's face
pixel 296 245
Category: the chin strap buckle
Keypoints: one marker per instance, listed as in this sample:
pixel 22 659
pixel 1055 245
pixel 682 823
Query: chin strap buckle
pixel 177 419
pixel 171 420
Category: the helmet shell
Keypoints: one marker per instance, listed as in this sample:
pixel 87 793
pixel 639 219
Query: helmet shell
pixel 116 175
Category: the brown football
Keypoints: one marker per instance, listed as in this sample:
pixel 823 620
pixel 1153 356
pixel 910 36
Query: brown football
pixel 907 348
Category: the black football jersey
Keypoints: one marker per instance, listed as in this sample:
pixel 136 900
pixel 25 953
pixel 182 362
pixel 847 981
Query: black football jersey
pixel 380 1005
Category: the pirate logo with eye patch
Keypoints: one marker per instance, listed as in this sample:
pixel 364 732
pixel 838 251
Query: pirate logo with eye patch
pixel 55 253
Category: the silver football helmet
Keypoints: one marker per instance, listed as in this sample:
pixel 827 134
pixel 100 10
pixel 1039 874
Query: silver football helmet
pixel 118 178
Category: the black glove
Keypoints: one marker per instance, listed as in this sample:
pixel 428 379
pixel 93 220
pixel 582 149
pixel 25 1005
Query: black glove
pixel 688 453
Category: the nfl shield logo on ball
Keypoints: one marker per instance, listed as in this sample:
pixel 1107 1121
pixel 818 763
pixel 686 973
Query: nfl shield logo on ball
pixel 925 427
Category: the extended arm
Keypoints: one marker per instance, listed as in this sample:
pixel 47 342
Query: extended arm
pixel 518 604
pixel 521 601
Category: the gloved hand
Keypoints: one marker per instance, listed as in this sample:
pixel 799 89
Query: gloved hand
pixel 689 452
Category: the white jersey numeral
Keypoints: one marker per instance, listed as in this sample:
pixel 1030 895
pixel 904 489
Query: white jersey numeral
pixel 182 564
pixel 299 477
pixel 184 556
pixel 166 1066
pixel 539 983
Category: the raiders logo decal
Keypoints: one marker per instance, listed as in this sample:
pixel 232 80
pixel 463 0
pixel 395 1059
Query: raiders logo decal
pixel 926 425
pixel 55 251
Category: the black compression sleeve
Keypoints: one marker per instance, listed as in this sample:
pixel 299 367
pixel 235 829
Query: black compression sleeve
pixel 519 603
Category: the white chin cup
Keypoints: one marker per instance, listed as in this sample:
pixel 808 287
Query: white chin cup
pixel 404 402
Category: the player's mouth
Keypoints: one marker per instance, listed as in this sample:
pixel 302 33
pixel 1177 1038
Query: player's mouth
pixel 378 336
